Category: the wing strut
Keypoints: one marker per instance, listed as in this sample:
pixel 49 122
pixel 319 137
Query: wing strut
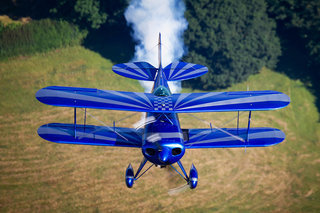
pixel 112 129
pixel 217 128
pixel 75 122
pixel 247 139
pixel 238 124
pixel 85 117
pixel 249 121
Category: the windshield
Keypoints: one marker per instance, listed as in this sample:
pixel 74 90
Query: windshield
pixel 161 91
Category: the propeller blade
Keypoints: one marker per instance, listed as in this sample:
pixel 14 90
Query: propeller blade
pixel 178 190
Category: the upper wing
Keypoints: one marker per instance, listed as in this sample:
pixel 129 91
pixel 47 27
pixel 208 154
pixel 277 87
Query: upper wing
pixel 90 135
pixel 136 70
pixel 229 101
pixel 177 103
pixel 233 137
pixel 94 98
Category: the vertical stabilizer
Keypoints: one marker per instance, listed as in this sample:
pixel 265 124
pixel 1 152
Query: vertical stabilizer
pixel 159 51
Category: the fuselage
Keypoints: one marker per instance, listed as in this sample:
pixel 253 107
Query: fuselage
pixel 163 138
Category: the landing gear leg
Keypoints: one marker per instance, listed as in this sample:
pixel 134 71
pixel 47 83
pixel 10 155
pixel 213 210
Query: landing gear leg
pixel 192 180
pixel 130 177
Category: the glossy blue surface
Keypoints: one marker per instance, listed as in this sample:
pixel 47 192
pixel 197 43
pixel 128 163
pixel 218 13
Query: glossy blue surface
pixel 175 103
pixel 193 177
pixel 161 138
pixel 136 70
pixel 233 138
pixel 129 176
pixel 179 71
pixel 176 71
pixel 90 135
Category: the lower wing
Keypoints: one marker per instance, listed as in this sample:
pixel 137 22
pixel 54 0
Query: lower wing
pixel 90 135
pixel 233 137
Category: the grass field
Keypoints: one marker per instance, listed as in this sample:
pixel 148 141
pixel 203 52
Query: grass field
pixel 36 175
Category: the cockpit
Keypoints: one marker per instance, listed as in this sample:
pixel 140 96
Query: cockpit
pixel 162 91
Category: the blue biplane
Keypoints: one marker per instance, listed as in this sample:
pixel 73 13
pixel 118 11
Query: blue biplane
pixel 161 139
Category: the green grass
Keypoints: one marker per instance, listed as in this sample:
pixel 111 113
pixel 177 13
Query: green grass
pixel 23 76
pixel 36 175
pixel 37 36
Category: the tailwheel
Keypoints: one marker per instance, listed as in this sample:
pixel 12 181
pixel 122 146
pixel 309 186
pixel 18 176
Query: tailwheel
pixel 193 177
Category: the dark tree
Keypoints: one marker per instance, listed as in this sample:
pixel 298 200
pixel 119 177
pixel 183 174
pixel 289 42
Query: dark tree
pixel 85 13
pixel 233 38
pixel 90 14
pixel 299 20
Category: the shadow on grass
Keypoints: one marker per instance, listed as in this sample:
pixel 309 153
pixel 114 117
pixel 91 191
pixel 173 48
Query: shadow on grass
pixel 114 43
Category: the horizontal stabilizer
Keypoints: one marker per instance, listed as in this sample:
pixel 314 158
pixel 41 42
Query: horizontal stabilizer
pixel 179 71
pixel 176 103
pixel 233 137
pixel 136 70
pixel 90 135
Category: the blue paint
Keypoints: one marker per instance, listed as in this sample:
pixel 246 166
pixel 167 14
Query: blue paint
pixel 161 141
pixel 148 102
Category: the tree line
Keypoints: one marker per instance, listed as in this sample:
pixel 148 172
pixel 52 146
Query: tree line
pixel 233 38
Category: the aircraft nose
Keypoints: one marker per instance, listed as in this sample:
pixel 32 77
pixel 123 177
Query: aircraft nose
pixel 164 155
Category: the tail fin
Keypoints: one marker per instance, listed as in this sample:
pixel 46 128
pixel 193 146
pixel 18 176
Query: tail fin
pixel 159 51
pixel 179 71
pixel 139 70
pixel 176 71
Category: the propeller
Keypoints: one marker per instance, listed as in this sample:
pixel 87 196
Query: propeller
pixel 178 190
pixel 172 177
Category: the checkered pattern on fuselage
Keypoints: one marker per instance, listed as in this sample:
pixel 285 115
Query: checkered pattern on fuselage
pixel 163 103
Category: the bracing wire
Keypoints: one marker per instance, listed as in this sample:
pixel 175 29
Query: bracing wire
pixel 105 125
pixel 217 128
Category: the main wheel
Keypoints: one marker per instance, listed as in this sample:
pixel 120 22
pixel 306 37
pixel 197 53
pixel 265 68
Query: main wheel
pixel 193 177
pixel 129 176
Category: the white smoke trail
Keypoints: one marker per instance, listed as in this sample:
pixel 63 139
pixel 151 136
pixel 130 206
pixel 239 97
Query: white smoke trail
pixel 148 18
